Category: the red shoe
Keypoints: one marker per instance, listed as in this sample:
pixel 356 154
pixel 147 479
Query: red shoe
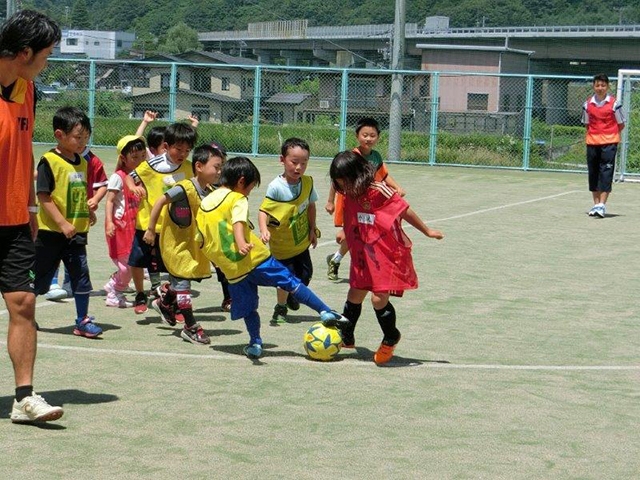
pixel 384 353
pixel 140 303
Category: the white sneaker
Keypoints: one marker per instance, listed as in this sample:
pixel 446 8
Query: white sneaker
pixel 601 211
pixel 118 300
pixel 55 293
pixel 34 409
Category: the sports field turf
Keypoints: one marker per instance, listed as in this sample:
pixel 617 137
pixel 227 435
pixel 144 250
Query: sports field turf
pixel 518 359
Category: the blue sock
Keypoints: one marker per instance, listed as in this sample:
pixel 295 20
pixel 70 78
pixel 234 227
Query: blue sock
pixel 306 296
pixel 252 321
pixel 82 305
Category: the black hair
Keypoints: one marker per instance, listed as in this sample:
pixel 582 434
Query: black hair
pixel 601 77
pixel 356 172
pixel 367 122
pixel 237 167
pixel 66 119
pixel 180 132
pixel 27 29
pixel 155 137
pixel 293 142
pixel 136 145
pixel 203 153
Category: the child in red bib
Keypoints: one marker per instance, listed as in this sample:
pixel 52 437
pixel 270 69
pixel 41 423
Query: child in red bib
pixel 381 260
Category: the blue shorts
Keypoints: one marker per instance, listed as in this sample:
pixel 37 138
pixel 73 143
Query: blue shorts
pixel 270 273
pixel 601 162
pixel 51 247
pixel 144 255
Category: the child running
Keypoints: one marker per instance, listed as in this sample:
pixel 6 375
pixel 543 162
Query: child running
pixel 120 218
pixel 64 215
pixel 368 135
pixel 381 252
pixel 287 220
pixel 183 257
pixel 223 220
pixel 149 181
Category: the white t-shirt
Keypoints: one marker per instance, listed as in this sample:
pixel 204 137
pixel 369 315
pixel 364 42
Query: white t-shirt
pixel 117 185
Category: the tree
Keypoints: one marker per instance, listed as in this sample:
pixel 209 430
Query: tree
pixel 80 16
pixel 180 38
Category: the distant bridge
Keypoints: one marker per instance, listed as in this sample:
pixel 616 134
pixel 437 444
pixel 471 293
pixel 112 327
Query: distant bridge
pixel 556 49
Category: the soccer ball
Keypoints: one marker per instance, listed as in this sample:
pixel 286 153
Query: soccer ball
pixel 322 343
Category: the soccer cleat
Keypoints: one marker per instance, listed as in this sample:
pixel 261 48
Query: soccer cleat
pixel 166 313
pixel 195 335
pixel 34 408
pixel 179 316
pixel 279 315
pixel 117 300
pixel 226 305
pixel 55 293
pixel 86 328
pixel 253 351
pixel 348 340
pixel 292 303
pixel 140 303
pixel 334 319
pixel 385 351
pixel 332 270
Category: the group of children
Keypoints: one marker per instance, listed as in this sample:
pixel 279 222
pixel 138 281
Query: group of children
pixel 165 213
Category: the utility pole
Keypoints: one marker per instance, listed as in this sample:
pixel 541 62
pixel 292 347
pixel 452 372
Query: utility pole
pixel 397 63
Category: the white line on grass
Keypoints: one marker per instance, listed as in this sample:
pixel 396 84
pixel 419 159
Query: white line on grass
pixel 484 210
pixel 344 361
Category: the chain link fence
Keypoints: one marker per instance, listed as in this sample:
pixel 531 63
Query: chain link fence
pixel 528 122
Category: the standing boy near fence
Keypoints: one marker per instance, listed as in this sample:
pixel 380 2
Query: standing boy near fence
pixel 604 119
pixel 287 220
pixel 64 214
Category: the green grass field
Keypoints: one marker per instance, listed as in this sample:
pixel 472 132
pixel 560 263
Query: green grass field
pixel 519 357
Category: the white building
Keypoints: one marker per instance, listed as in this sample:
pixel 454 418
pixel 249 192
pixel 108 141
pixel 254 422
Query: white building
pixel 95 43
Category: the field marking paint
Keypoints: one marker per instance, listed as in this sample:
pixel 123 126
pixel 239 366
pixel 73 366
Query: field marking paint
pixel 344 362
pixel 484 210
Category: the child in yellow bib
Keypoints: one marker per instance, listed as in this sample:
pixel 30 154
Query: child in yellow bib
pixel 180 241
pixel 64 215
pixel 287 220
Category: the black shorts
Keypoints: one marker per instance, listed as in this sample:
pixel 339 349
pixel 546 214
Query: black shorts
pixel 144 255
pixel 301 266
pixel 53 247
pixel 17 258
pixel 601 161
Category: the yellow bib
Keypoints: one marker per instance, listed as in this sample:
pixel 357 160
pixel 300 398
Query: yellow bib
pixel 156 184
pixel 219 246
pixel 289 222
pixel 180 245
pixel 69 194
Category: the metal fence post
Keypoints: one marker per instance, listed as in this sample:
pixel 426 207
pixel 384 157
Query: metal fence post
pixel 526 134
pixel 255 137
pixel 92 91
pixel 433 129
pixel 344 103
pixel 172 92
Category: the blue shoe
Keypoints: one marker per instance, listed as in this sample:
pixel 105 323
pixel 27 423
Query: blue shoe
pixel 334 319
pixel 86 328
pixel 253 351
pixel 55 293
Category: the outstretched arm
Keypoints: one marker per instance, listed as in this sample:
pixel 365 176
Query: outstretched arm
pixel 149 116
pixel 414 220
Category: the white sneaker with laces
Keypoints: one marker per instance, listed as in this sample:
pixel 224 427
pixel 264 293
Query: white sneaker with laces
pixel 34 408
